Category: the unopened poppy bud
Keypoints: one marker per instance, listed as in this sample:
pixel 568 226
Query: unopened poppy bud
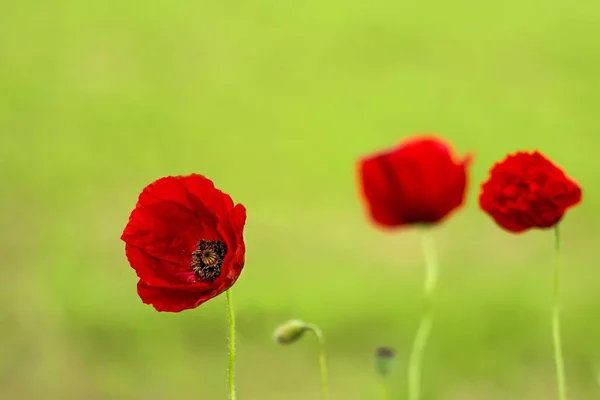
pixel 290 332
pixel 384 360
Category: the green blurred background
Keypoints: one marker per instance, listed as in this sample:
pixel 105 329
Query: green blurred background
pixel 275 101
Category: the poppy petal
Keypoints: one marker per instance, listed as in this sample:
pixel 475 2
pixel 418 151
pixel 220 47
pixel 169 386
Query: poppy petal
pixel 416 182
pixel 172 216
pixel 172 300
pixel 527 190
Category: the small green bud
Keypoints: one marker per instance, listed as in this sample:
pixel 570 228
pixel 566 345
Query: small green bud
pixel 384 360
pixel 290 332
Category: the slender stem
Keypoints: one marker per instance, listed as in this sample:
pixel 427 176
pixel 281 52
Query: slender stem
pixel 558 356
pixel 230 374
pixel 322 360
pixel 416 356
pixel 384 389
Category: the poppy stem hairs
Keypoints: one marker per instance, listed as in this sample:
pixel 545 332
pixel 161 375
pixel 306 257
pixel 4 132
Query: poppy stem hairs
pixel 322 361
pixel 558 356
pixel 416 356
pixel 291 332
pixel 230 371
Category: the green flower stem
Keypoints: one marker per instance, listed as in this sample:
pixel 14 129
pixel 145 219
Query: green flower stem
pixel 384 390
pixel 230 371
pixel 558 356
pixel 416 356
pixel 322 360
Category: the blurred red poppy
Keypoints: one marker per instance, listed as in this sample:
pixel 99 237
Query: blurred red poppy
pixel 526 190
pixel 185 241
pixel 417 182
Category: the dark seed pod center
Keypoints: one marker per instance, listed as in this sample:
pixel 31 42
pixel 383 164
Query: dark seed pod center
pixel 384 352
pixel 208 258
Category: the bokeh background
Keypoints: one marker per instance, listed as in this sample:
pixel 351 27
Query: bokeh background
pixel 275 101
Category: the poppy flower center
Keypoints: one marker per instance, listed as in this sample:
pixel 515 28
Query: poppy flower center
pixel 208 258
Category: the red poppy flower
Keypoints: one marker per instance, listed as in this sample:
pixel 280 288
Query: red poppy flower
pixel 417 182
pixel 526 190
pixel 184 239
